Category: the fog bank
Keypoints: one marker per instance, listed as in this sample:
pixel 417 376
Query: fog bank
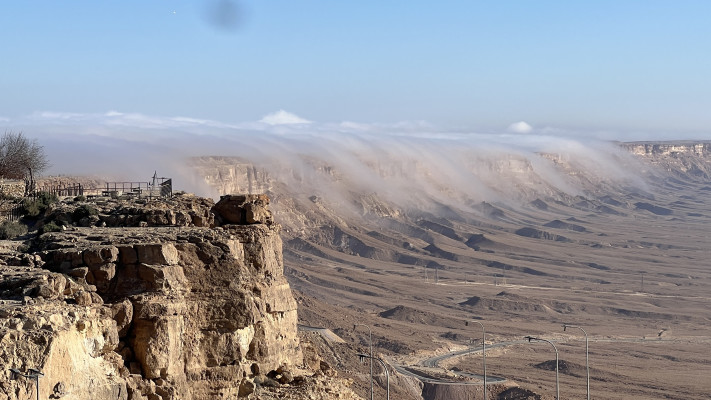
pixel 406 162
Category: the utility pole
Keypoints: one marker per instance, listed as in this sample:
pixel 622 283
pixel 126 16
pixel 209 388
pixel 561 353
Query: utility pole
pixel 387 374
pixel 587 359
pixel 34 374
pixel 483 352
pixel 557 384
pixel 370 334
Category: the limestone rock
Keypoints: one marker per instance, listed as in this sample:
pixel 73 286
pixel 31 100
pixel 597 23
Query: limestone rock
pixel 82 298
pixel 161 312
pixel 246 387
pixel 157 254
pixel 244 209
pixel 179 210
pixel 122 313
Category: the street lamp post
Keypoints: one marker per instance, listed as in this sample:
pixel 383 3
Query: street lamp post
pixel 483 353
pixel 34 374
pixel 370 334
pixel 387 374
pixel 557 386
pixel 587 360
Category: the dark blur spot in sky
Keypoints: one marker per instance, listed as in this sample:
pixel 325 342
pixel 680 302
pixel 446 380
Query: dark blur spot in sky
pixel 225 15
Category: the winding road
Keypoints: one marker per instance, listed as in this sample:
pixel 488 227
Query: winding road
pixel 417 372
pixel 433 362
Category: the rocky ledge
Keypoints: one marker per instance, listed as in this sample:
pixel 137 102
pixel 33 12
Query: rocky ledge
pixel 189 303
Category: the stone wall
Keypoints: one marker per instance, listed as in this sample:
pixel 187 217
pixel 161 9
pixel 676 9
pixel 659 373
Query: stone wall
pixel 12 188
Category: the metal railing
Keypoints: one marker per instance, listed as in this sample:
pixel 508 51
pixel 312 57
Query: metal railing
pixel 12 215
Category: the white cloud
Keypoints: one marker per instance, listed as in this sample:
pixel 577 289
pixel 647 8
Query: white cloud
pixel 355 126
pixel 117 118
pixel 282 117
pixel 59 116
pixel 3 119
pixel 520 127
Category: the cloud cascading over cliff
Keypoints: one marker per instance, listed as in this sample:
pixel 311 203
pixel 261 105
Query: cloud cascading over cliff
pixel 409 163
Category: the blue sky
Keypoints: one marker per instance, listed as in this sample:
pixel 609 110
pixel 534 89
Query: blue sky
pixel 629 68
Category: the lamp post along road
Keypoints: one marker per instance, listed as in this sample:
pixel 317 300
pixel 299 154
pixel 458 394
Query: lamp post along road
pixel 370 335
pixel 34 374
pixel 587 361
pixel 387 374
pixel 483 353
pixel 557 386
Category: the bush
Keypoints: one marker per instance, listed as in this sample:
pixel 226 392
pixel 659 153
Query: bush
pixel 50 227
pixel 83 211
pixel 47 198
pixel 11 230
pixel 33 207
pixel 80 198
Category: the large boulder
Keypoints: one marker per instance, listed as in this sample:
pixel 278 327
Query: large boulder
pixel 244 209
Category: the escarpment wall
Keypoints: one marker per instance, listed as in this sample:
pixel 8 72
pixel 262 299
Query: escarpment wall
pixel 684 159
pixel 231 174
pixel 147 313
pixel 698 148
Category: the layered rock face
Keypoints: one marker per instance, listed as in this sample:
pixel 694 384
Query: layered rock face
pixel 148 313
pixel 232 174
pixel 683 159
pixel 669 148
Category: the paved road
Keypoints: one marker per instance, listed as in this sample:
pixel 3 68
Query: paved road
pixel 433 362
pixel 430 362
pixel 406 371
pixel 324 332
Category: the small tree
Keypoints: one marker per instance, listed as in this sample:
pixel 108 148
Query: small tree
pixel 21 158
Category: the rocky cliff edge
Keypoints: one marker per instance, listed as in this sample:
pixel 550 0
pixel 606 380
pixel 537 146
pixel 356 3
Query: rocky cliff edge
pixel 190 303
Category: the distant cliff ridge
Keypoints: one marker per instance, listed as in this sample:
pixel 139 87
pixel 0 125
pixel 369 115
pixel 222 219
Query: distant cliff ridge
pixel 682 159
pixel 668 148
pixel 231 174
pixel 533 175
pixel 355 184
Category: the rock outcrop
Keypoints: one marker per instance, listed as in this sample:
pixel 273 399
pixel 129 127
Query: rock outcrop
pixel 180 210
pixel 244 209
pixel 684 159
pixel 187 309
